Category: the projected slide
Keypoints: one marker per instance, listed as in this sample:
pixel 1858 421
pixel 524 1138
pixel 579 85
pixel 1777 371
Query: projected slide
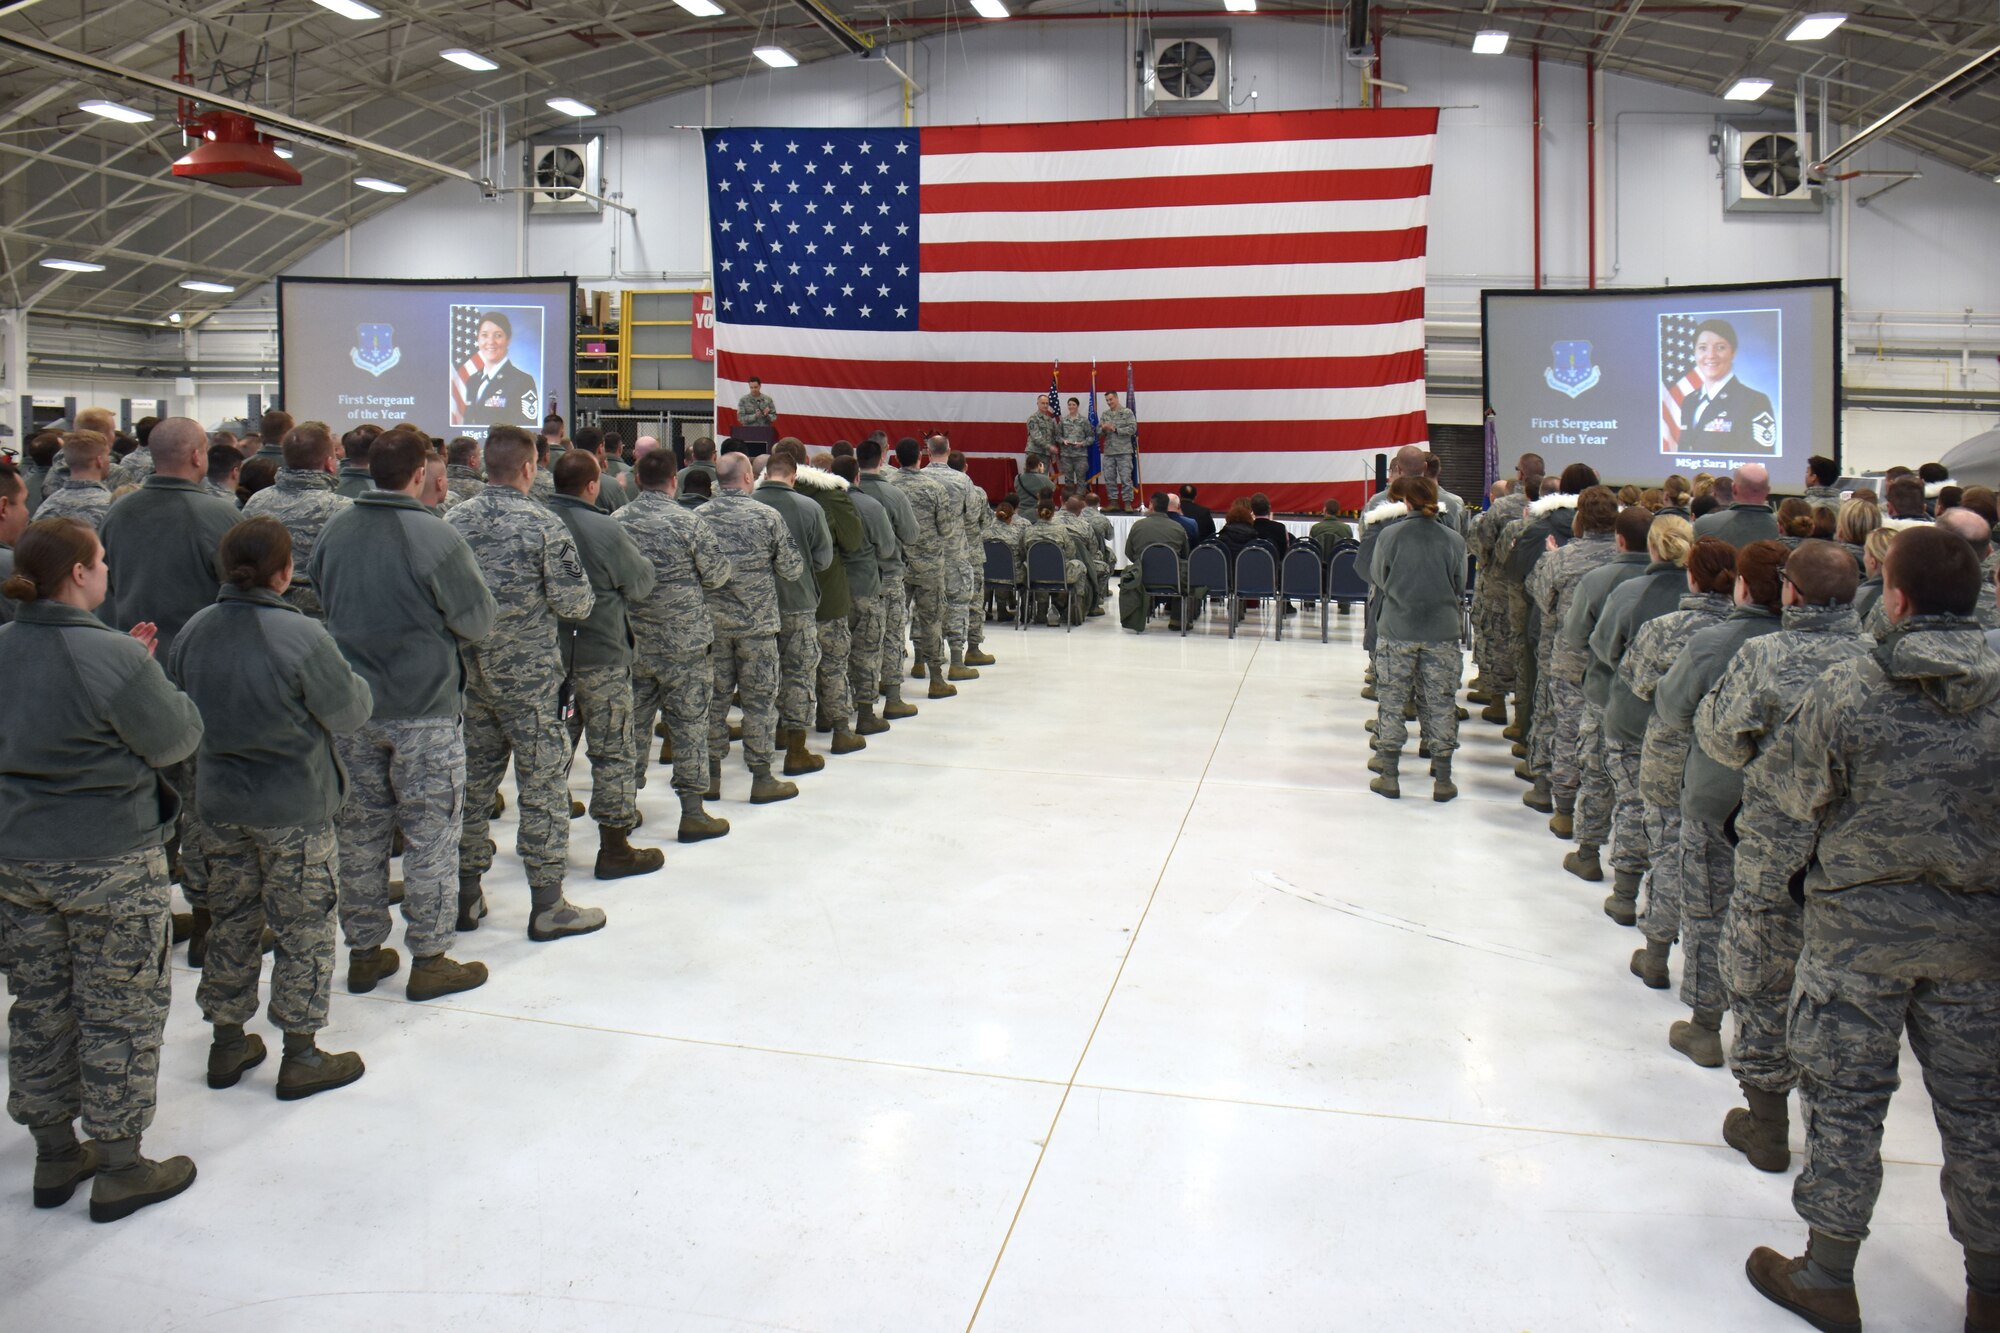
pixel 453 356
pixel 1642 383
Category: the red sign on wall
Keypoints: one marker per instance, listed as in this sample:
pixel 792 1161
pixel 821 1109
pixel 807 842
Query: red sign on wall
pixel 704 326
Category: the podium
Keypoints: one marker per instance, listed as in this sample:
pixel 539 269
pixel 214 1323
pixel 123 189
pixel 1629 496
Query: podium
pixel 757 440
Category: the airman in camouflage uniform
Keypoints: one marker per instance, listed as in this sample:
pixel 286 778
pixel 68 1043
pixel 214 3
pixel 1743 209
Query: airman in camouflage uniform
pixel 761 552
pixel 1096 573
pixel 302 499
pixel 1553 744
pixel 86 500
pixel 672 672
pixel 1118 428
pixel 1889 762
pixel 1073 430
pixel 962 553
pixel 756 408
pixel 513 677
pixel 1496 632
pixel 463 481
pixel 1041 429
pixel 934 508
pixel 895 569
pixel 1744 717
pixel 798 611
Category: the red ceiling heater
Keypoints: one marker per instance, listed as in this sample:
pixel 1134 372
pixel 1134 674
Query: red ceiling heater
pixel 230 150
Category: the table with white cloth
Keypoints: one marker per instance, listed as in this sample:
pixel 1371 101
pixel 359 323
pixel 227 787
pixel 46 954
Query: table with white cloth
pixel 1121 524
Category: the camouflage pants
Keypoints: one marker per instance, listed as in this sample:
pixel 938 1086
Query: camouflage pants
pixel 1631 850
pixel 864 659
pixel 798 665
pixel 407 773
pixel 1565 734
pixel 519 721
pixel 1593 791
pixel 87 944
pixel 895 603
pixel 1432 671
pixel 1846 1034
pixel 975 604
pixel 748 664
pixel 288 878
pixel 1526 681
pixel 836 647
pixel 603 720
pixel 1541 740
pixel 1075 469
pixel 682 690
pixel 1118 473
pixel 1759 957
pixel 1660 923
pixel 1508 609
pixel 1708 877
pixel 959 600
pixel 927 618
pixel 190 849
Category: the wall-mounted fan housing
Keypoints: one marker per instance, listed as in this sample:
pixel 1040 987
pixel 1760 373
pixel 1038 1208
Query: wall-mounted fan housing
pixel 1764 171
pixel 557 171
pixel 1186 71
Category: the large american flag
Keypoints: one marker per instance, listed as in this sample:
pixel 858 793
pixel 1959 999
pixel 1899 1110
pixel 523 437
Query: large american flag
pixel 1677 375
pixel 1263 274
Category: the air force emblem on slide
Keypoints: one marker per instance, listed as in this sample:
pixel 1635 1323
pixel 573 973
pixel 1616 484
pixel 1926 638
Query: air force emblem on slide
pixel 1572 372
pixel 375 350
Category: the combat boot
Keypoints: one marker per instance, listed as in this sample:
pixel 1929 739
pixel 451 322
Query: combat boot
pixel 940 687
pixel 306 1069
pixel 439 975
pixel 1369 726
pixel 617 858
pixel 61 1163
pixel 499 804
pixel 561 919
pixel 471 902
pixel 1375 762
pixel 1513 730
pixel 1537 797
pixel 1982 1312
pixel 1423 749
pixel 1368 692
pixel 1463 715
pixel 1496 710
pixel 696 823
pixel 958 669
pixel 735 731
pixel 1518 749
pixel 978 657
pixel 1386 785
pixel 1650 963
pixel 821 722
pixel 1759 1131
pixel 1476 694
pixel 365 967
pixel 1699 1040
pixel 1563 824
pixel 916 670
pixel 1583 863
pixel 666 752
pixel 1442 788
pixel 198 938
pixel 1410 707
pixel 1623 904
pixel 845 741
pixel 127 1182
pixel 1805 1286
pixel 1524 772
pixel 714 792
pixel 893 707
pixel 765 789
pixel 577 809
pixel 866 723
pixel 798 759
pixel 232 1053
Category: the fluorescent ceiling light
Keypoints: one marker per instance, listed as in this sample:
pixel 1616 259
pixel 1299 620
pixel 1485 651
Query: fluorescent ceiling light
pixel 993 9
pixel 701 9
pixel 350 9
pixel 131 115
pixel 1233 6
pixel 73 265
pixel 777 57
pixel 1489 43
pixel 377 183
pixel 1814 26
pixel 174 317
pixel 569 106
pixel 1747 90
pixel 283 152
pixel 204 285
pixel 465 59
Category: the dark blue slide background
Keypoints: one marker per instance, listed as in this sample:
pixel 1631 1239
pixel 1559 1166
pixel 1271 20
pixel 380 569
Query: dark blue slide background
pixel 320 329
pixel 1615 425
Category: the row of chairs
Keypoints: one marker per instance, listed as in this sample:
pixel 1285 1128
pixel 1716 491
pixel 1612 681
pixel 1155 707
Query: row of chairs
pixel 1303 577
pixel 1045 572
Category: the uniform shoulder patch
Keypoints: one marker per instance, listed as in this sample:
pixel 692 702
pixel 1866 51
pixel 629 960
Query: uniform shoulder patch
pixel 1764 429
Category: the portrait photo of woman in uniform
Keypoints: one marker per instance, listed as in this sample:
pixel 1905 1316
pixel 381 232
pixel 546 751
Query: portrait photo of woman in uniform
pixel 495 355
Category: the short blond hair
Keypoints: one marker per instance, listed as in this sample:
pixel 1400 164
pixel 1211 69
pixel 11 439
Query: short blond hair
pixel 1669 539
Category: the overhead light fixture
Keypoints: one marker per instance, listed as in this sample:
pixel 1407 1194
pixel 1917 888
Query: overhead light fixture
pixel 1813 27
pixel 283 152
pixel 1490 43
pixel 204 285
pixel 173 317
pixel 350 9
pixel 701 9
pixel 465 59
pixel 777 57
pixel 1235 6
pixel 569 106
pixel 1747 90
pixel 377 183
pixel 73 265
pixel 993 9
pixel 131 115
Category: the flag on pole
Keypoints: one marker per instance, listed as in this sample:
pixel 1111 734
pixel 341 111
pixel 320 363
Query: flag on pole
pixel 1267 270
pixel 1132 404
pixel 1096 446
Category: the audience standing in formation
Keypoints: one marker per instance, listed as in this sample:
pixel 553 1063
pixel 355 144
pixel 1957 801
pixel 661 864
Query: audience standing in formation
pixel 1784 729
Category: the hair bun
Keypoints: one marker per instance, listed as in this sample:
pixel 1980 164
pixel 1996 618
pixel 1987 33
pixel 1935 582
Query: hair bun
pixel 20 588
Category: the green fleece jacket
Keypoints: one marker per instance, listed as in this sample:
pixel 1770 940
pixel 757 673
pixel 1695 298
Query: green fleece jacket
pixel 619 574
pixel 810 534
pixel 161 541
pixel 850 538
pixel 78 779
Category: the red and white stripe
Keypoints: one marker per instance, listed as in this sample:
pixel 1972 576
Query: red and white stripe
pixel 1671 398
pixel 1264 274
pixel 461 384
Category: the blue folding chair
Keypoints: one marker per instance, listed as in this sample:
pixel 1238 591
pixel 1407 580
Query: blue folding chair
pixel 1208 569
pixel 1256 576
pixel 1160 576
pixel 999 569
pixel 1344 583
pixel 1046 573
pixel 1305 579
